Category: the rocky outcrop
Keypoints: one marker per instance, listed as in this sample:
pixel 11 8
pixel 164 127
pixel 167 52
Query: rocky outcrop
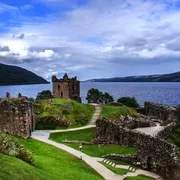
pixel 154 153
pixel 17 117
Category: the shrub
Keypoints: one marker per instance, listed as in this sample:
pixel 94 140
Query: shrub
pixel 9 146
pixel 129 101
pixel 96 96
pixel 31 99
pixel 46 94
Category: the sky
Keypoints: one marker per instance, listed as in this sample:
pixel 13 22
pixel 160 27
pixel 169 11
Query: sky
pixel 91 38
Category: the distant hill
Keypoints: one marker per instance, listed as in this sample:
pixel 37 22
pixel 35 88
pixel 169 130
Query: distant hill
pixel 13 75
pixel 173 77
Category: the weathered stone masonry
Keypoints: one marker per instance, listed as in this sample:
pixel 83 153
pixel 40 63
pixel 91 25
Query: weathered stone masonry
pixel 17 117
pixel 161 111
pixel 66 88
pixel 163 154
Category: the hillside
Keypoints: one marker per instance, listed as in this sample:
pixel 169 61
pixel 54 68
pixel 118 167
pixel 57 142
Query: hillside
pixel 173 77
pixel 13 75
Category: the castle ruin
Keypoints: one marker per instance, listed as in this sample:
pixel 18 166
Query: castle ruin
pixel 66 88
pixel 17 116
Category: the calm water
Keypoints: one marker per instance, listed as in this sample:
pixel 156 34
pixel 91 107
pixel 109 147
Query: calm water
pixel 166 93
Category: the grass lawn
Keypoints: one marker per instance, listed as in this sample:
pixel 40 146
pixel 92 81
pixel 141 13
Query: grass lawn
pixel 12 169
pixel 116 170
pixel 78 115
pixel 59 101
pixel 51 163
pixel 114 112
pixel 91 150
pixel 80 135
pixel 96 151
pixel 139 177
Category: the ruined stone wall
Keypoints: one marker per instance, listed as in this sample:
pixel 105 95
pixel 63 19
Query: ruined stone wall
pixel 163 155
pixel 166 131
pixel 17 117
pixel 161 111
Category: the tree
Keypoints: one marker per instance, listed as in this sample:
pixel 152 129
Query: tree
pixel 129 101
pixel 107 98
pixel 96 96
pixel 46 94
pixel 93 95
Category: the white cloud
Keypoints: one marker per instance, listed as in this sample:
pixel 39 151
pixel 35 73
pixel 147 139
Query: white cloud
pixel 99 35
pixel 4 7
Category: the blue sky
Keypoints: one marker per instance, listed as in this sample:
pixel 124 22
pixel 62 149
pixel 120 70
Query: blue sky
pixel 91 38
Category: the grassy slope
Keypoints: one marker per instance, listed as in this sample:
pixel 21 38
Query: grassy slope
pixel 116 170
pixel 13 169
pixel 139 177
pixel 50 163
pixel 114 112
pixel 79 115
pixel 92 150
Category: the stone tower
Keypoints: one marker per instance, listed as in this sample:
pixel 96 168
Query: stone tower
pixel 66 87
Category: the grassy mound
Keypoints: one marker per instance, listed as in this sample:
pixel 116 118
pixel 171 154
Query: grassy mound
pixel 77 115
pixel 51 163
pixel 91 150
pixel 114 112
pixel 116 170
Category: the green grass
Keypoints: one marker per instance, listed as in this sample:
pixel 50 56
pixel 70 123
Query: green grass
pixel 80 135
pixel 51 163
pixel 139 177
pixel 114 112
pixel 116 170
pixel 96 151
pixel 92 150
pixel 78 115
pixel 59 101
pixel 13 169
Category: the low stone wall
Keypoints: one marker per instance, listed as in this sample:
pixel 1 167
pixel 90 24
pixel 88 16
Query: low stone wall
pixel 133 123
pixel 162 155
pixel 165 132
pixel 161 111
pixel 78 142
pixel 17 117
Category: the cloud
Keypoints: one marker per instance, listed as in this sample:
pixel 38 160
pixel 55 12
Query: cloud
pixel 5 7
pixel 26 7
pixel 4 49
pixel 98 37
pixel 19 36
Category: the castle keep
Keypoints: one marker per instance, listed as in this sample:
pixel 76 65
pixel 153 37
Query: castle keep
pixel 66 87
